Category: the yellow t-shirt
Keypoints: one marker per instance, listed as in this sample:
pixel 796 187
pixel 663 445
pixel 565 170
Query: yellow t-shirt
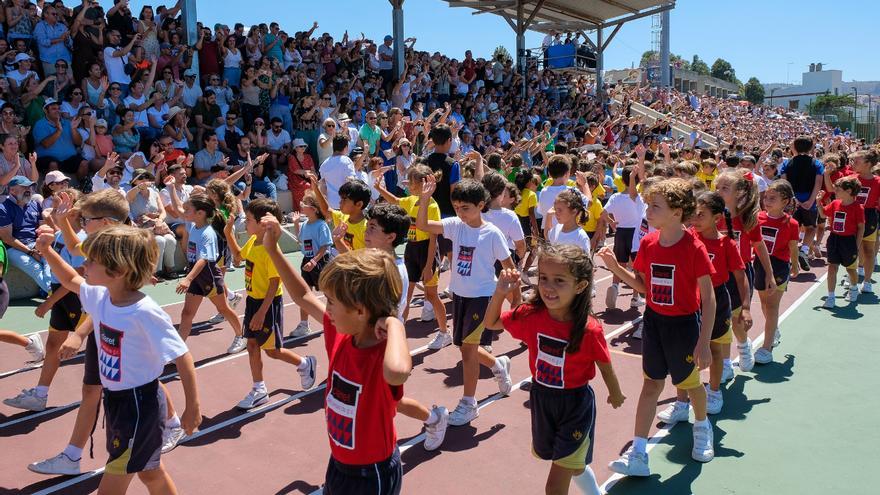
pixel 354 237
pixel 709 179
pixel 549 182
pixel 529 200
pixel 598 192
pixel 594 212
pixel 411 205
pixel 258 269
pixel 618 183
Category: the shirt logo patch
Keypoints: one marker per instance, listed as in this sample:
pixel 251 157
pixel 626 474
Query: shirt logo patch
pixel 839 222
pixel 663 284
pixel 862 197
pixel 411 234
pixel 111 353
pixel 550 361
pixel 191 251
pixel 342 404
pixel 643 229
pixel 465 260
pixel 769 235
pixel 308 249
pixel 248 275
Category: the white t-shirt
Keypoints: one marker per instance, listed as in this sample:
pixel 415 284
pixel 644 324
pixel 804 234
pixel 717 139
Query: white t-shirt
pixel 275 142
pixel 182 194
pixel 116 66
pixel 508 223
pixel 641 231
pixel 404 277
pixel 475 251
pixel 627 211
pixel 134 342
pixel 190 95
pixel 546 198
pixel 335 171
pixel 158 115
pixel 577 237
pixel 140 117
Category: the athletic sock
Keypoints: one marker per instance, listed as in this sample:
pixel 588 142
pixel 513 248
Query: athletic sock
pixel 73 452
pixel 260 386
pixel 471 401
pixel 230 295
pixel 831 295
pixel 42 391
pixel 304 365
pixel 727 362
pixel 496 368
pixel 173 422
pixel 640 445
pixel 432 417
pixel 586 482
pixel 704 422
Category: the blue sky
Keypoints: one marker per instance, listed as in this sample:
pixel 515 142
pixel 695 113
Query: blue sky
pixel 771 40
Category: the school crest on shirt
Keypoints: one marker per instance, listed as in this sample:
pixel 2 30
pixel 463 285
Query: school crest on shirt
pixel 862 196
pixel 191 251
pixel 550 362
pixel 663 284
pixel 308 249
pixel 465 260
pixel 769 234
pixel 643 229
pixel 342 404
pixel 839 222
pixel 110 357
pixel 248 275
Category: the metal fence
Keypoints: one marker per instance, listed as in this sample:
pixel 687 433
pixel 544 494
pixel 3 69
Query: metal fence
pixel 869 130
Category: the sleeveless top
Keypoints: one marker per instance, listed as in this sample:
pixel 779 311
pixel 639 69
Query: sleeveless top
pixel 92 94
pixel 24 28
pixel 232 60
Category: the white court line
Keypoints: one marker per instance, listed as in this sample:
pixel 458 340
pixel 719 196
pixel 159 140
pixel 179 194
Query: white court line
pixel 661 433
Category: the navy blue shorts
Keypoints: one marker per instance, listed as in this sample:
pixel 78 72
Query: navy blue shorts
pixel 381 478
pixel 668 344
pixel 733 289
pixel 623 241
pixel 135 421
pixel 91 373
pixel 563 425
pixel 209 282
pixel 842 250
pixel 467 320
pixel 270 335
pixel 721 329
pixel 781 272
pixel 67 313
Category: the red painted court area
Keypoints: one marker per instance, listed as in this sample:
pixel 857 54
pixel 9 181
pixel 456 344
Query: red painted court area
pixel 282 447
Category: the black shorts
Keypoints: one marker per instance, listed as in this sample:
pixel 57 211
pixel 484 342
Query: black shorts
pixel 4 297
pixel 67 313
pixel 270 336
pixel 806 218
pixel 513 256
pixel 415 259
pixel 526 225
pixel 842 250
pixel 623 241
pixel 311 277
pixel 91 373
pixel 381 478
pixel 134 420
pixel 467 320
pixel 563 425
pixel 871 216
pixel 721 329
pixel 781 272
pixel 733 289
pixel 444 245
pixel 668 344
pixel 209 282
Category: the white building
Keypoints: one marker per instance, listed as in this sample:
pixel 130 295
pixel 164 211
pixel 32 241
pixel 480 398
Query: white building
pixel 815 82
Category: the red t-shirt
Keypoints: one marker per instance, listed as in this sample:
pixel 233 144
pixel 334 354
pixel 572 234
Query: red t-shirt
pixel 671 273
pixel 725 258
pixel 744 240
pixel 869 196
pixel 845 219
pixel 840 172
pixel 777 233
pixel 359 405
pixel 547 339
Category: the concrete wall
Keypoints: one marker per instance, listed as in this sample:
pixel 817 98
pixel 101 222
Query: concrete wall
pixel 682 80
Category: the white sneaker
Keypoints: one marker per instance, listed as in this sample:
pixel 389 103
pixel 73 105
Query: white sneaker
pixel 746 359
pixel 444 265
pixel 307 376
pixel 611 297
pixel 253 399
pixel 714 401
pixel 301 330
pixel 829 302
pixel 171 437
pixel 503 376
pixel 36 348
pixel 487 348
pixel 436 433
pixel 427 313
pixel 860 271
pixel 727 373
pixel 674 413
pixel 867 288
pixel 852 295
pixel 763 356
pixel 631 463
pixel 845 283
pixel 637 301
pixel 27 400
pixel 441 340
pixel 704 450
pixel 216 319
pixel 463 414
pixel 233 303
pixel 60 464
pixel 777 338
pixel 637 333
pixel 238 344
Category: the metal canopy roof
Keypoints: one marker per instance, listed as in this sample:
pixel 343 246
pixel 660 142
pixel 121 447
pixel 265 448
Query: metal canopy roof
pixel 566 15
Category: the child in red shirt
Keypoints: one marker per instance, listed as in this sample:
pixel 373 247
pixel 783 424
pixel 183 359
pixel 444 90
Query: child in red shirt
pixel 565 345
pixel 369 362
pixel 673 270
pixel 780 233
pixel 847 228
pixel 869 197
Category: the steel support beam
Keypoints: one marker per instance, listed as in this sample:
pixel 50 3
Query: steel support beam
pixel 600 66
pixel 397 32
pixel 664 49
pixel 192 35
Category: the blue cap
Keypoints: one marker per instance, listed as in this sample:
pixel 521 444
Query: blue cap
pixel 388 37
pixel 20 180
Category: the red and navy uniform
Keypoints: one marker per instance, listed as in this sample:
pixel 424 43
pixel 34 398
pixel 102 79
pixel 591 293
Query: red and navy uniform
pixel 842 244
pixel 725 260
pixel 869 198
pixel 840 172
pixel 359 409
pixel 671 323
pixel 776 233
pixel 562 402
pixel 745 241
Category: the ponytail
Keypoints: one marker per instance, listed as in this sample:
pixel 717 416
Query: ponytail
pixel 728 222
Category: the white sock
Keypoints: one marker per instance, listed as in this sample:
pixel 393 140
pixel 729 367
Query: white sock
pixel 496 368
pixel 640 445
pixel 831 294
pixel 73 452
pixel 471 401
pixel 304 365
pixel 42 391
pixel 616 286
pixel 586 482
pixel 230 295
pixel 173 421
pixel 704 422
pixel 260 386
pixel 428 306
pixel 432 418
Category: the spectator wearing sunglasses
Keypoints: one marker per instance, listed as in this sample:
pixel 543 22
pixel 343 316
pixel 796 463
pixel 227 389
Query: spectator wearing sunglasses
pixel 53 39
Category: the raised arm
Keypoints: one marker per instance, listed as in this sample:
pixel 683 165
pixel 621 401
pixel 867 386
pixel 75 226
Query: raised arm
pixel 422 222
pixel 66 274
pixel 299 290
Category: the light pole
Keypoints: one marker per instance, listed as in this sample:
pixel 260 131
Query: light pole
pixel 771 95
pixel 855 105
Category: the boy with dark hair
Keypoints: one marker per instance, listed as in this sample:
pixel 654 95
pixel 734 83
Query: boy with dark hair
pixel 349 222
pixel 804 173
pixel 847 229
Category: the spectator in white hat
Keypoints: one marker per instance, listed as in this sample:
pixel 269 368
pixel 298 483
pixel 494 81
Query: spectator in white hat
pixel 23 63
pixel 55 181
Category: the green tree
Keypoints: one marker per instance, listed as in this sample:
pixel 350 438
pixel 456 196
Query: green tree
pixel 723 70
pixel 754 91
pixel 829 103
pixel 698 66
pixel 649 56
pixel 679 62
pixel 502 52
